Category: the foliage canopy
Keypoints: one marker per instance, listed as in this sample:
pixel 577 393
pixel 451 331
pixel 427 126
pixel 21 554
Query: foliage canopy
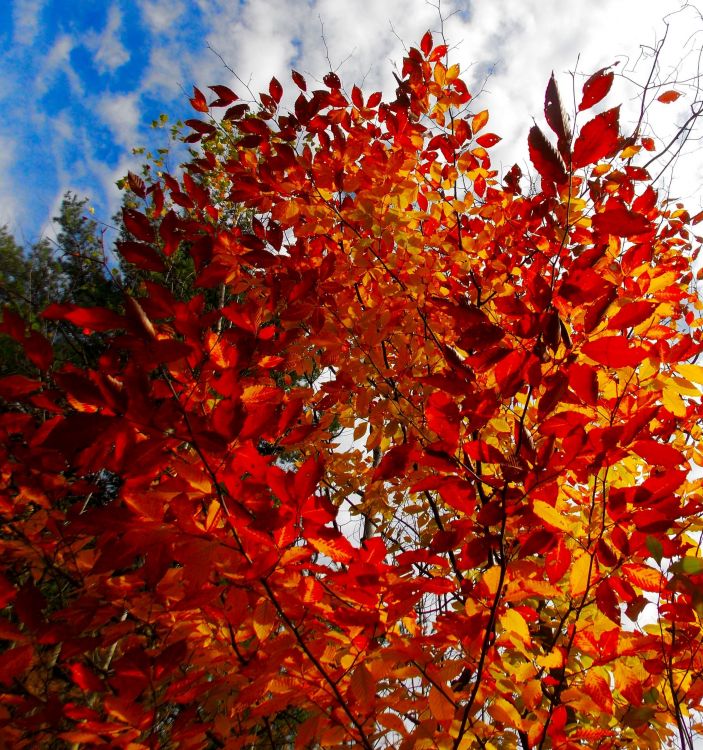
pixel 500 389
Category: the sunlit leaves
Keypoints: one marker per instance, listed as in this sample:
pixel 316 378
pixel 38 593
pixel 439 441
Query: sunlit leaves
pixel 407 464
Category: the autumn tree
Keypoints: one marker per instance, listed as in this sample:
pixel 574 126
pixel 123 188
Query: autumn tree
pixel 516 381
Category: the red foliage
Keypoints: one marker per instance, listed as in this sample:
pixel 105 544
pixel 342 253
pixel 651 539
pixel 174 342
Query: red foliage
pixel 518 374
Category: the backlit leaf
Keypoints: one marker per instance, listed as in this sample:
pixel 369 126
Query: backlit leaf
pixel 550 515
pixel 579 574
pixel 599 138
pixel 614 351
pixel 441 707
pixel 478 121
pixel 596 88
pixel 668 96
pixel 545 157
pixel 514 623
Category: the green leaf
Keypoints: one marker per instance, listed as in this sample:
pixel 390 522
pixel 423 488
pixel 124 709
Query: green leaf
pixel 655 548
pixel 689 565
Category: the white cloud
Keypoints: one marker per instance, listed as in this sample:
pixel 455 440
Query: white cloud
pixel 541 38
pixel 11 192
pixel 56 61
pixel 121 113
pixel 522 42
pixel 168 71
pixel 25 20
pixel 109 53
pixel 161 16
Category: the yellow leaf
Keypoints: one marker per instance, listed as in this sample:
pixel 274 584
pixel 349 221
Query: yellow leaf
pixel 479 121
pixel 550 515
pixel 338 549
pixel 490 579
pixel 528 586
pixel 514 623
pixel 440 74
pixel 662 280
pixel 505 713
pixel 628 676
pixel 578 578
pixel 673 402
pixel 553 660
pixel 694 373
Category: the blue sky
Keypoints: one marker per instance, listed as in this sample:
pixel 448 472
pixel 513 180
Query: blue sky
pixel 82 80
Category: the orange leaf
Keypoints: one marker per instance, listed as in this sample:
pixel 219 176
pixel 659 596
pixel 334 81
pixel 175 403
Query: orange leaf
pixel 441 707
pixel 337 549
pixel 264 618
pixel 668 96
pixel 479 121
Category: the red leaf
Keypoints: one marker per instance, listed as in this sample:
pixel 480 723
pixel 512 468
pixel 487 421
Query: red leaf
pixel 598 139
pixel 438 53
pixel 85 678
pixel 443 418
pixel 92 318
pixel 596 88
pixel 307 478
pixel 141 255
pixel 225 94
pixel 557 562
pixel 488 139
pixel 426 44
pixel 138 225
pixel 331 80
pixel 631 314
pixel 14 663
pixel 14 386
pixel 668 96
pixel 38 351
pixel 614 351
pixel 545 157
pixel 299 80
pixel 236 111
pixel 583 381
pixel 136 184
pixel 7 591
pixel 621 222
pixel 12 324
pixel 658 454
pixel 393 463
pixel 198 101
pixel 556 116
pixel 276 90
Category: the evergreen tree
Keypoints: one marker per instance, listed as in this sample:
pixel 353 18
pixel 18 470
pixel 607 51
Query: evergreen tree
pixel 29 281
pixel 85 280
